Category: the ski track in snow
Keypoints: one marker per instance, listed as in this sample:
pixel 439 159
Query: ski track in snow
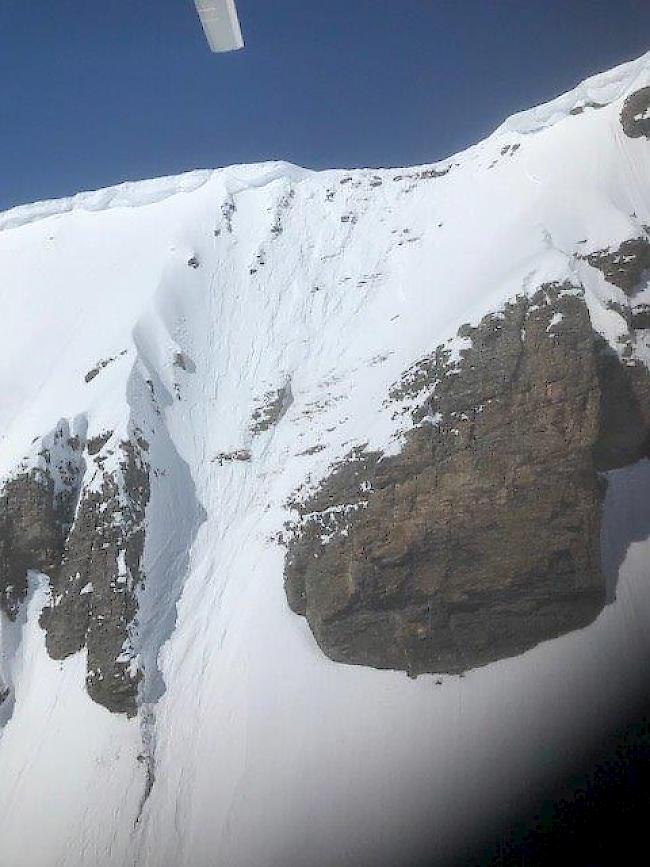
pixel 262 747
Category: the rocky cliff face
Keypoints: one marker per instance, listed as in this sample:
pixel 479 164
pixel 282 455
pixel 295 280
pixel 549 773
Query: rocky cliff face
pixel 481 537
pixel 95 587
pixel 37 506
pixel 88 540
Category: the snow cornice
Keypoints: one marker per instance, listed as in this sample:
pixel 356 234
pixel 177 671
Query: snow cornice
pixel 596 91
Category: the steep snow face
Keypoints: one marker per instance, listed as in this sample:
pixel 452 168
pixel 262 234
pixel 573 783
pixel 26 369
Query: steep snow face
pixel 247 324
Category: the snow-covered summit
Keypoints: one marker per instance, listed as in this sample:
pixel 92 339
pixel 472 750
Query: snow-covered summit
pixel 134 194
pixel 596 91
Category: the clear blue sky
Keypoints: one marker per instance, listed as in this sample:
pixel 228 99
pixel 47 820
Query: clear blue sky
pixel 93 92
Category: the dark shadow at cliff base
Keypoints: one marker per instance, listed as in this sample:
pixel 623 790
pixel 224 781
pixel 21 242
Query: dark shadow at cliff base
pixel 625 519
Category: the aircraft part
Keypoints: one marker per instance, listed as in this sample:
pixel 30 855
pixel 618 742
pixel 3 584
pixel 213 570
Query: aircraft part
pixel 221 24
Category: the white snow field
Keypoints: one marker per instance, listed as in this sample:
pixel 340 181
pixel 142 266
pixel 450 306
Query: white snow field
pixel 264 752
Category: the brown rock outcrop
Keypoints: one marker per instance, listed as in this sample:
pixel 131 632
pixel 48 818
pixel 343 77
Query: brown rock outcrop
pixel 36 514
pixel 31 536
pixel 89 542
pixel 635 116
pixel 481 538
pixel 95 590
pixel 625 266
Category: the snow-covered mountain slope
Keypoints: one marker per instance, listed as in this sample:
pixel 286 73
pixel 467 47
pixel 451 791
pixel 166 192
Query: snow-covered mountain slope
pixel 179 357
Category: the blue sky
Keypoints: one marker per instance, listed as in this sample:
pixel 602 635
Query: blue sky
pixel 93 92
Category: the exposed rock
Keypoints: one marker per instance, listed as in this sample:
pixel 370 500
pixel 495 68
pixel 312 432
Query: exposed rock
pixel 95 590
pixel 312 450
pixel 273 408
pixel 481 538
pixel 96 444
pixel 579 109
pixel 425 174
pixel 89 543
pixel 92 373
pixel 31 535
pixel 184 362
pixel 635 115
pixel 101 364
pixel 228 211
pixel 624 435
pixel 640 318
pixel 36 510
pixel 624 267
pixel 283 205
pixel 636 317
pixel 239 455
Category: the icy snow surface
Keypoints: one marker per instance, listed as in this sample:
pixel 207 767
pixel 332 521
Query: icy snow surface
pixel 263 751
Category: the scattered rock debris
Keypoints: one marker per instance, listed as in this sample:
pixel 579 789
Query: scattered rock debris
pixel 104 362
pixel 274 406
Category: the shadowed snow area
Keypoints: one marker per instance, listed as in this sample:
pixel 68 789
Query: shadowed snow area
pixel 626 517
pixel 177 308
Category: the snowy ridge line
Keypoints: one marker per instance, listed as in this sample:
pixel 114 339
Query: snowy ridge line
pixel 598 91
pixel 128 194
pixel 135 194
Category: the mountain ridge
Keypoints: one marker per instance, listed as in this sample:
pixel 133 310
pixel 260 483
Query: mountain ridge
pixel 185 378
pixel 608 86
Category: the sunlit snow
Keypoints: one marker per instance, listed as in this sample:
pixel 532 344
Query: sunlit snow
pixel 260 747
